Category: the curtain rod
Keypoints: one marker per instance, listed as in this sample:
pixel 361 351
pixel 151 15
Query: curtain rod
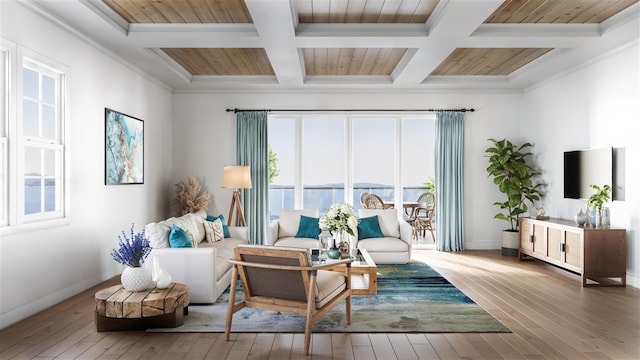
pixel 351 110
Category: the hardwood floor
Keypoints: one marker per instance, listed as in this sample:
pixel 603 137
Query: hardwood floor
pixel 551 316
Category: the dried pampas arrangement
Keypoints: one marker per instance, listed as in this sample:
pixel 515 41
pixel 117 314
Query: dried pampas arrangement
pixel 189 199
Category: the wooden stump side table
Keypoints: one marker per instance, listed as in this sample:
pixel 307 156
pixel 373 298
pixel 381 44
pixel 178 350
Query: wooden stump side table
pixel 119 309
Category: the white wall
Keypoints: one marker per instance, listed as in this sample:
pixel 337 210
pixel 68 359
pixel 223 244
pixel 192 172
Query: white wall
pixel 591 107
pixel 204 139
pixel 39 268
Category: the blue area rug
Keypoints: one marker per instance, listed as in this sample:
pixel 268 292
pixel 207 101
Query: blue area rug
pixel 411 298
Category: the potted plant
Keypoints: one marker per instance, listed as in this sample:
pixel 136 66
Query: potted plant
pixel 131 252
pixel 516 179
pixel 596 201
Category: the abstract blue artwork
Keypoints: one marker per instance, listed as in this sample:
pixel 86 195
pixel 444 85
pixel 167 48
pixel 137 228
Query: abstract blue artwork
pixel 124 149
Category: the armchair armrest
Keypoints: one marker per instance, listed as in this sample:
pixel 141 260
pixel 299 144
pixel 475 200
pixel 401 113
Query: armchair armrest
pixel 272 232
pixel 406 232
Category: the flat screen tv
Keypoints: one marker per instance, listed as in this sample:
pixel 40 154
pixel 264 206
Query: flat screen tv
pixel 585 167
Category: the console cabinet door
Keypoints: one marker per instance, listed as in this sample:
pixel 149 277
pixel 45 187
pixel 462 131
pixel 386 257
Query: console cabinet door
pixel 526 237
pixel 554 245
pixel 540 240
pixel 573 250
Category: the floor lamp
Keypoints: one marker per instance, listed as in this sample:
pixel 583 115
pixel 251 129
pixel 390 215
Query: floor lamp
pixel 236 177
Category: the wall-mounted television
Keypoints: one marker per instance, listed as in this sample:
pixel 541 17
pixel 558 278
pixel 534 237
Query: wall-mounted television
pixel 593 166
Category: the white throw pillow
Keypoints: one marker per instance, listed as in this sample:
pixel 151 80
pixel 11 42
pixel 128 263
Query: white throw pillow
pixel 193 223
pixel 388 219
pixel 290 220
pixel 158 233
pixel 213 230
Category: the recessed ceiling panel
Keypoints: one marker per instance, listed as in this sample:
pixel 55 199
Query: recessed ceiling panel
pixel 364 11
pixel 350 62
pixel 201 61
pixel 558 11
pixel 181 11
pixel 487 61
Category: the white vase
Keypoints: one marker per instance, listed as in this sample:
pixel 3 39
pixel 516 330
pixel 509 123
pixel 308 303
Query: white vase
pixel 136 279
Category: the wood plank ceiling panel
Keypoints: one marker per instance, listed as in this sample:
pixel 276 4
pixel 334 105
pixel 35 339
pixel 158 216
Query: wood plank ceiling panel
pixel 350 62
pixel 364 11
pixel 487 61
pixel 557 11
pixel 181 11
pixel 226 61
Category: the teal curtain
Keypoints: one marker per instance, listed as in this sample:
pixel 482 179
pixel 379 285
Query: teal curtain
pixel 251 149
pixel 450 181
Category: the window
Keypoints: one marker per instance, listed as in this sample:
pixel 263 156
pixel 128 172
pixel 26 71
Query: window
pixel 41 142
pixel 327 159
pixel 31 139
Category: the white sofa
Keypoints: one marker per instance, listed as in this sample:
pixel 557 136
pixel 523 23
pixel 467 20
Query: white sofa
pixel 205 269
pixel 282 231
pixel 395 246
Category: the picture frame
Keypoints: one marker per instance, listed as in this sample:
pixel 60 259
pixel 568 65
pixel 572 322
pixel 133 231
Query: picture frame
pixel 124 149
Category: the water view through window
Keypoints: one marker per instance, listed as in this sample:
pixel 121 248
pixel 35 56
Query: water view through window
pixel 334 159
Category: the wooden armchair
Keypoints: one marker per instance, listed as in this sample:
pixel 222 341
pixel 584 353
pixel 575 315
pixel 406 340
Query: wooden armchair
pixel 286 280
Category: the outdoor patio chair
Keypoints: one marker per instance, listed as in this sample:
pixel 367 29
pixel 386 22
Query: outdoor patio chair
pixel 286 280
pixel 373 201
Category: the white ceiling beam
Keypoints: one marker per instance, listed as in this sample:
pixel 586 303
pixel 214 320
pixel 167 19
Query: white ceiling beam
pixel 275 23
pixel 457 21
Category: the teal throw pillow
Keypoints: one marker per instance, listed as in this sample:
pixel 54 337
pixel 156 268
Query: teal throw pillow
pixel 369 227
pixel 178 238
pixel 225 228
pixel 308 227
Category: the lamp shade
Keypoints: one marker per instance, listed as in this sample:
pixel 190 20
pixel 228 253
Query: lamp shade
pixel 236 177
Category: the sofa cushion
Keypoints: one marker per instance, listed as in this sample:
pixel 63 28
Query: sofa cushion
pixel 225 228
pixel 385 244
pixel 290 219
pixel 194 223
pixel 213 230
pixel 158 233
pixel 369 227
pixel 295 242
pixel 179 237
pixel 308 227
pixel 388 219
pixel 224 252
pixel 328 285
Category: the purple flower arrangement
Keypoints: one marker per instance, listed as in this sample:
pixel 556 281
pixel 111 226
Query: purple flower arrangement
pixel 131 251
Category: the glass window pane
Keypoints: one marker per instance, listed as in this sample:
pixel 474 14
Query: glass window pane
pixel 373 157
pixel 50 195
pixel 48 89
pixel 282 143
pixel 418 155
pixel 32 162
pixel 32 192
pixel 323 162
pixel 49 162
pixel 49 122
pixel 30 123
pixel 30 83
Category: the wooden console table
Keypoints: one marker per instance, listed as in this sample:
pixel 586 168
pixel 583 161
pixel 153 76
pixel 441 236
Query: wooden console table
pixel 598 255
pixel 119 309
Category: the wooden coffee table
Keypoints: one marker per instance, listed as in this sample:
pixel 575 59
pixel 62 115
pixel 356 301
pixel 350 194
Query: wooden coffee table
pixel 119 309
pixel 364 274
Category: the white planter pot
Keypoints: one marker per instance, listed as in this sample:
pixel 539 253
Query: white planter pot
pixel 136 279
pixel 510 243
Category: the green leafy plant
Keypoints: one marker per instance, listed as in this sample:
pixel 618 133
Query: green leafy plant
pixel 273 165
pixel 430 185
pixel 515 178
pixel 600 197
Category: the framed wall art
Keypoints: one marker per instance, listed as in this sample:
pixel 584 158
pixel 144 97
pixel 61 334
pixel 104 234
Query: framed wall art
pixel 124 149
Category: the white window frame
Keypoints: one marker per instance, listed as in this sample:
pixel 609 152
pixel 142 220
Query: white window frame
pixel 8 49
pixel 17 220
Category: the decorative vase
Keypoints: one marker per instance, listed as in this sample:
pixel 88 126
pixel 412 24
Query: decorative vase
pixel 592 217
pixel 136 279
pixel 606 217
pixel 334 253
pixel 581 218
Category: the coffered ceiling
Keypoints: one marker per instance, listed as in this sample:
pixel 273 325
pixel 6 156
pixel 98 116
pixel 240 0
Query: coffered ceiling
pixel 386 44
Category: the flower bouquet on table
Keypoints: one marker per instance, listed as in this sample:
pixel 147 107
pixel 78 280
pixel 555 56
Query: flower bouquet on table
pixel 131 252
pixel 340 221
